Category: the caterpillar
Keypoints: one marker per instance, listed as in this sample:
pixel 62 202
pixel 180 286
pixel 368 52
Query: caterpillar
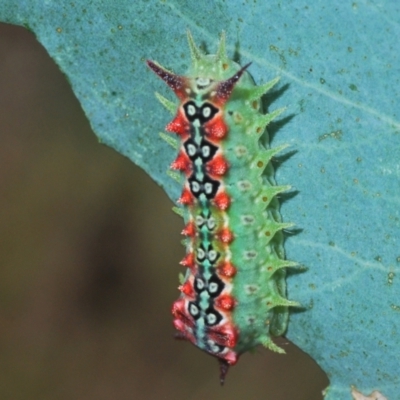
pixel 233 294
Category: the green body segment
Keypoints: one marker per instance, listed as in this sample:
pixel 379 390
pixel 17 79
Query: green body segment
pixel 255 220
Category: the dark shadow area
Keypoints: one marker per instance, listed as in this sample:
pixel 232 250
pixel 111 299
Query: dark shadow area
pixel 284 197
pixel 271 96
pixel 277 124
pixel 281 158
pixel 236 53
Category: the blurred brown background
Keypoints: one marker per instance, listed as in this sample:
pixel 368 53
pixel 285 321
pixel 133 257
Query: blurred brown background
pixel 89 252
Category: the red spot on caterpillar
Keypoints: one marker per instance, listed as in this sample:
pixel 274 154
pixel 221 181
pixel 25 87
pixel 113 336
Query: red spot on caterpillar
pixel 179 125
pixel 225 235
pixel 186 197
pixel 182 319
pixel 180 325
pixel 188 261
pixel 216 128
pixel 187 288
pixel 225 302
pixel 189 229
pixel 177 83
pixel 225 335
pixel 183 322
pixel 217 166
pixel 227 269
pixel 231 357
pixel 185 332
pixel 182 163
pixel 222 201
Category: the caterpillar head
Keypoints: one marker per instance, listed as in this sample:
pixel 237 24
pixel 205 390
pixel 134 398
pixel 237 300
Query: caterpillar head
pixel 211 76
